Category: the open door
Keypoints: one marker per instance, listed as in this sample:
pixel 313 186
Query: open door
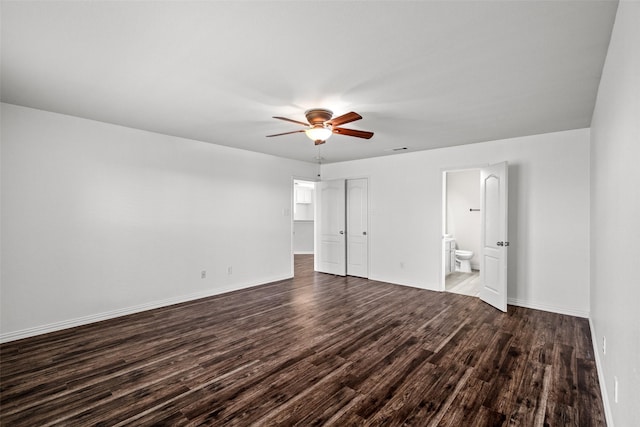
pixel 494 241
pixel 330 222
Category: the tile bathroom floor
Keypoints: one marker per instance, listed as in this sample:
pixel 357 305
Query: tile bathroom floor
pixel 464 283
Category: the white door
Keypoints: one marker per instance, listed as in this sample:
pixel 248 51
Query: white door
pixel 330 223
pixel 494 240
pixel 357 228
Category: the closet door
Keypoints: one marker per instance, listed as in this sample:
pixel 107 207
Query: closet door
pixel 330 227
pixel 357 228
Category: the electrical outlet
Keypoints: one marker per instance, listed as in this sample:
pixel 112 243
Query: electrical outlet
pixel 203 274
pixel 615 389
pixel 604 345
pixel 230 270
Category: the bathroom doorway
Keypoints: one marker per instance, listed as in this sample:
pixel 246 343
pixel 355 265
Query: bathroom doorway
pixel 461 228
pixel 493 251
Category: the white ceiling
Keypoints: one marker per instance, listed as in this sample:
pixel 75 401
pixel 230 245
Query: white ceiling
pixel 423 74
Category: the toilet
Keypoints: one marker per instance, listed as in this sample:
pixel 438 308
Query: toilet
pixel 463 260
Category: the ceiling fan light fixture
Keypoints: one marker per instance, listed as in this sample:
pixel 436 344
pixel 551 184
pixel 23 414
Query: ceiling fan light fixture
pixel 322 124
pixel 319 133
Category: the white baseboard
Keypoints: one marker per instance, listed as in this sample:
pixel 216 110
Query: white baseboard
pixel 84 320
pixel 603 384
pixel 303 253
pixel 546 307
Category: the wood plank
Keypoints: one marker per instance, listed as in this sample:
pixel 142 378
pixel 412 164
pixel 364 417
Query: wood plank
pixel 313 350
pixel 589 403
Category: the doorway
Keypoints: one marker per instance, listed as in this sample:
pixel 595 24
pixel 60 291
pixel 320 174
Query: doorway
pixel 303 216
pixel 461 232
pixel 493 248
pixel 303 219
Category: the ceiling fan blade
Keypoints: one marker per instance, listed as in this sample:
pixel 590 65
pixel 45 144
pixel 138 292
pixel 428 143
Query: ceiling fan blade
pixel 291 120
pixel 345 118
pixel 352 132
pixel 286 133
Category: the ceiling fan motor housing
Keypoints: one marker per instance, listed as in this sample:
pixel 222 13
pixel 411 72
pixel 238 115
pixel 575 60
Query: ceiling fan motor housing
pixel 318 116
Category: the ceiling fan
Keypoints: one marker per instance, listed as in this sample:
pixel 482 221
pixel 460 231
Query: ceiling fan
pixel 321 126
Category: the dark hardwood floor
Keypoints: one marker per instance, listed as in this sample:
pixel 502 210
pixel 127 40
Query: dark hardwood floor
pixel 314 350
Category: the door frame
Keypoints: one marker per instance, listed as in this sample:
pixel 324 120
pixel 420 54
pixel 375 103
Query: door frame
pixel 443 212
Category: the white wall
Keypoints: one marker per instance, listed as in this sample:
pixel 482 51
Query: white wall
pixel 463 193
pixel 548 215
pixel 615 218
pixel 99 220
pixel 303 237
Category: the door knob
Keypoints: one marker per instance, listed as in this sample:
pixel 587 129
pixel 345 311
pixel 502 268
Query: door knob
pixel 500 243
pixel 364 233
pixel 341 232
